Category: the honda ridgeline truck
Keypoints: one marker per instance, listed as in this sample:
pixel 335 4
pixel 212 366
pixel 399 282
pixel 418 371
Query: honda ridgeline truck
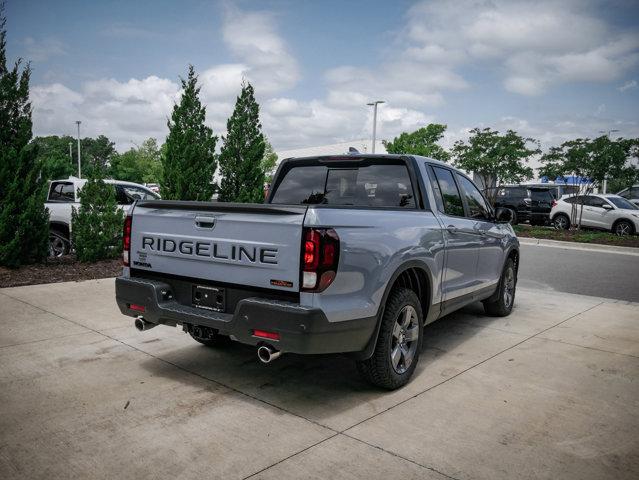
pixel 349 254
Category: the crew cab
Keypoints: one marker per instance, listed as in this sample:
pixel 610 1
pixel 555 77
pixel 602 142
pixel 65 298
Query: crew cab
pixel 64 195
pixel 349 254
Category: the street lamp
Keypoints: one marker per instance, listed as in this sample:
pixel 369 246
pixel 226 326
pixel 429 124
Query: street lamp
pixel 78 122
pixel 607 133
pixel 374 105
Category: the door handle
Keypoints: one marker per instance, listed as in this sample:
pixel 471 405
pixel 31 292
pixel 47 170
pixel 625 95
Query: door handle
pixel 205 222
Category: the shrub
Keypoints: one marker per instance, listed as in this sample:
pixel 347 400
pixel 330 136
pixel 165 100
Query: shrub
pixel 97 224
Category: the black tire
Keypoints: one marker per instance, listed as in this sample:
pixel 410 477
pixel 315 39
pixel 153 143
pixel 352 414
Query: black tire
pixel 380 369
pixel 561 221
pixel 623 228
pixel 502 303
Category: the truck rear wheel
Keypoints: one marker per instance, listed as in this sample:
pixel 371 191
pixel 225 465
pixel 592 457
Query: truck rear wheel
pixel 398 344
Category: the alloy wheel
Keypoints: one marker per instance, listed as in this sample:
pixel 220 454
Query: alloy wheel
pixel 57 246
pixel 509 287
pixel 622 229
pixel 404 341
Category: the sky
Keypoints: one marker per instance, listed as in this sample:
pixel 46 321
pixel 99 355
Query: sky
pixel 551 70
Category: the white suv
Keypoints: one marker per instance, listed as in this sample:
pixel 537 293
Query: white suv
pixel 63 196
pixel 605 212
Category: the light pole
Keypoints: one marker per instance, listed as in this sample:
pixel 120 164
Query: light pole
pixel 78 122
pixel 71 151
pixel 374 105
pixel 607 133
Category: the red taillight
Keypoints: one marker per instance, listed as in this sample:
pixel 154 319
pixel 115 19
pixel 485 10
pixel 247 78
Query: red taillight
pixel 320 257
pixel 137 308
pixel 265 334
pixel 554 203
pixel 311 250
pixel 126 240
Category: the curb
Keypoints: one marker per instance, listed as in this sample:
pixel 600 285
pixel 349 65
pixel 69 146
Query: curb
pixel 584 247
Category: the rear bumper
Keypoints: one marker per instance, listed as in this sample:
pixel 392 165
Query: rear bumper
pixel 302 329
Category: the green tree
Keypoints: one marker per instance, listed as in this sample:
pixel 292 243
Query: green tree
pixel 495 158
pixel 189 162
pixel 243 151
pixel 593 160
pixel 421 142
pixel 269 161
pixel 96 154
pixel 53 153
pixel 23 217
pixel 97 224
pixel 142 164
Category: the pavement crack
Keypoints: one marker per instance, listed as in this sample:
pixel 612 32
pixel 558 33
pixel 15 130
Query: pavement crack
pixel 432 469
pixel 291 456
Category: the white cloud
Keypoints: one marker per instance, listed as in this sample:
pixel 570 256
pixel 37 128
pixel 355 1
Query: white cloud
pixel 253 38
pixel 537 45
pixel 38 50
pixel 629 85
pixel 127 112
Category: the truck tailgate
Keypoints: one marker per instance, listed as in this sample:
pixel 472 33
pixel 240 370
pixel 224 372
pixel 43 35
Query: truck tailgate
pixel 246 244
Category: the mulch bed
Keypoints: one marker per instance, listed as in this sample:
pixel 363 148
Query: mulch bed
pixel 581 236
pixel 64 269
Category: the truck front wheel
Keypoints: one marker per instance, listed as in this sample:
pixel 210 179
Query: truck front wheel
pixel 399 343
pixel 501 304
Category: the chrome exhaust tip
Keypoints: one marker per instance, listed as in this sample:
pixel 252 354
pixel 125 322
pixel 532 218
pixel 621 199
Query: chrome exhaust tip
pixel 267 354
pixel 142 325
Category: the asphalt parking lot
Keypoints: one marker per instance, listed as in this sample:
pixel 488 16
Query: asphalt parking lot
pixel 550 392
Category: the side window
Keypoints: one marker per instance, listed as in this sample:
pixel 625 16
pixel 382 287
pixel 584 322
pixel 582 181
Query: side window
pixel 121 197
pixel 634 192
pixel 627 193
pixel 574 199
pixel 137 193
pixel 61 192
pixel 451 199
pixel 595 202
pixel 477 207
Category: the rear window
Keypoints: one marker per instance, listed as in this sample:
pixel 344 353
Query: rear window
pixel 61 192
pixel 622 203
pixel 377 185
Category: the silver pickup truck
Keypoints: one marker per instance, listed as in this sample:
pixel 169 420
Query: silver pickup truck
pixel 349 254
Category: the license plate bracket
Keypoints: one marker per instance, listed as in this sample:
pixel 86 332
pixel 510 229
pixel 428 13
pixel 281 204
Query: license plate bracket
pixel 209 298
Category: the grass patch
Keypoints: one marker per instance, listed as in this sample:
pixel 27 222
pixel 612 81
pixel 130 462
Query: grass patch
pixel 580 236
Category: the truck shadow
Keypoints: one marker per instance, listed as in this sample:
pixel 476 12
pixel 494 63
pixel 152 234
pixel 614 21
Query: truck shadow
pixel 327 388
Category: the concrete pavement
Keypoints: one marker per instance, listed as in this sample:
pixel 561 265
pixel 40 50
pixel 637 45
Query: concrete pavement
pixel 551 391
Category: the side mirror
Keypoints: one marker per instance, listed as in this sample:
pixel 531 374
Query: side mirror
pixel 503 215
pixel 605 206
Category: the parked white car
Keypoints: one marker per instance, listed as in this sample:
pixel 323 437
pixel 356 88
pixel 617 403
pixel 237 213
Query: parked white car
pixel 605 212
pixel 64 195
pixel 631 194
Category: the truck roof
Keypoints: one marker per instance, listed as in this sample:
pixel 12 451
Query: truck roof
pixel 360 156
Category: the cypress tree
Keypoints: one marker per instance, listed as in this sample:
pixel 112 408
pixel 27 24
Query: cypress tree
pixel 189 161
pixel 241 155
pixel 97 224
pixel 24 221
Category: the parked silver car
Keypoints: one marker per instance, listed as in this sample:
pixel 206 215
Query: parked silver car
pixel 604 212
